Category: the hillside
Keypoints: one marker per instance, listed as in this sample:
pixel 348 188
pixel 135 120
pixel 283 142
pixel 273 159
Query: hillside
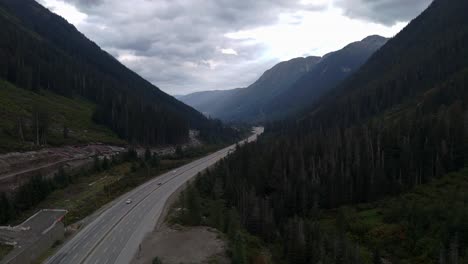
pixel 421 58
pixel 328 73
pixel 287 88
pixel 414 227
pixel 42 51
pixel 396 126
pixel 243 104
pixel 209 102
pixel 68 121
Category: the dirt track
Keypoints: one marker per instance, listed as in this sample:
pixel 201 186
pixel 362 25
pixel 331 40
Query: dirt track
pixel 16 168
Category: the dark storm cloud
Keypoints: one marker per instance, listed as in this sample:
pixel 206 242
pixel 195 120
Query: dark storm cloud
pixel 386 12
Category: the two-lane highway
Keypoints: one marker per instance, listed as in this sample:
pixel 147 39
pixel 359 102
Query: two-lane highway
pixel 115 235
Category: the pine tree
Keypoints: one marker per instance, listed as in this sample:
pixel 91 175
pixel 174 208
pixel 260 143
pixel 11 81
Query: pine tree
pixel 5 209
pixel 147 155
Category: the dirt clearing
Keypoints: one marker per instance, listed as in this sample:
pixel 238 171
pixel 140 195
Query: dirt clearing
pixel 175 245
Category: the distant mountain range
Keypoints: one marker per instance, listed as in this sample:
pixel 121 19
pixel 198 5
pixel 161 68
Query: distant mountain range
pixel 209 102
pixel 286 88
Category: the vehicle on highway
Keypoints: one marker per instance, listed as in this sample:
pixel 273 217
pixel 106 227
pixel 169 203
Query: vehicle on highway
pixel 133 220
pixel 159 183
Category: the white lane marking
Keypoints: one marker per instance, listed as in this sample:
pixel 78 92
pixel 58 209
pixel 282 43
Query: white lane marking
pixel 201 163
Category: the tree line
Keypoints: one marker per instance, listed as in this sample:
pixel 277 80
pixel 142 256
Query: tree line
pixel 38 188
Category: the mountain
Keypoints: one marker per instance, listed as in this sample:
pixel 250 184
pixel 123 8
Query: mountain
pixel 332 69
pixel 288 87
pixel 239 103
pixel 374 171
pixel 209 102
pixel 41 51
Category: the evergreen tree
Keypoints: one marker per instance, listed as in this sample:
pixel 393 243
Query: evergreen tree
pixel 97 163
pixel 147 155
pixel 6 209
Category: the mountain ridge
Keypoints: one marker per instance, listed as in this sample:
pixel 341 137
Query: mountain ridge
pixel 274 96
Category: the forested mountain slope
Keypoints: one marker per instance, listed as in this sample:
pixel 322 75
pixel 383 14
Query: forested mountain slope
pixel 287 88
pixel 245 104
pixel 332 69
pixel 40 50
pixel 67 120
pixel 397 123
pixel 209 102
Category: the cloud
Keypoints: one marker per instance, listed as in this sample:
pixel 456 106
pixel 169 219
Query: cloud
pixel 388 12
pixel 229 52
pixel 180 45
pixel 188 45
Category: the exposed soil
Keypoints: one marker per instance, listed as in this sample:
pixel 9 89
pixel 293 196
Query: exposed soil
pixel 17 167
pixel 175 245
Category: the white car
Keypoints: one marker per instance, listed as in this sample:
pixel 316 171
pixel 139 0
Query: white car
pixel 129 201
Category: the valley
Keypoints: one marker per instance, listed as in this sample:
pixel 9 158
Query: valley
pixel 347 145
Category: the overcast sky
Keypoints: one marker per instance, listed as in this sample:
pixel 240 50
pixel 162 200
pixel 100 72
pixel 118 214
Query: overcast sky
pixel 183 46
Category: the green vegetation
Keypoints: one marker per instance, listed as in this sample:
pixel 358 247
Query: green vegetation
pixel 65 120
pixel 5 250
pixel 42 258
pixel 84 193
pixel 90 194
pixel 39 191
pixel 197 206
pixel 427 225
pixel 39 51
pixel 396 126
pixel 157 260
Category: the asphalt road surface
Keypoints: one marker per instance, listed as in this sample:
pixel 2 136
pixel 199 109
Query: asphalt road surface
pixel 115 235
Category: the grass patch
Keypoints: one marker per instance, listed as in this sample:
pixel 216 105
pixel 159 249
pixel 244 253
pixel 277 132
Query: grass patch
pixel 85 187
pixel 74 113
pixel 88 192
pixel 5 250
pixel 42 258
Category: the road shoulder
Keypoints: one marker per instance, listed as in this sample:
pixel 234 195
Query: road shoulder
pixel 176 244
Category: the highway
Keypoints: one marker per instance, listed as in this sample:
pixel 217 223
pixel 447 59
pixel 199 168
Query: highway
pixel 115 235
